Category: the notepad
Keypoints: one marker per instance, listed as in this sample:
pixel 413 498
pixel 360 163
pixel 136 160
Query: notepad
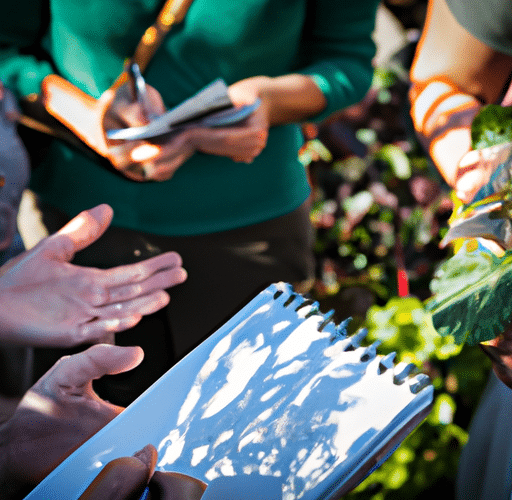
pixel 210 107
pixel 279 401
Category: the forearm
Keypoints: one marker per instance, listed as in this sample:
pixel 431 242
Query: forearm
pixel 453 74
pixel 288 99
pixel 442 120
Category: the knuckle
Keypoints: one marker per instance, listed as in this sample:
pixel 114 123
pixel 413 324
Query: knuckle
pixel 98 295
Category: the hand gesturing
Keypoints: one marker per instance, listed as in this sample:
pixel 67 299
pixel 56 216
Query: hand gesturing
pixel 58 414
pixel 47 301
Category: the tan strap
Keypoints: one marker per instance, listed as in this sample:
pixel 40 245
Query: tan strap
pixel 173 12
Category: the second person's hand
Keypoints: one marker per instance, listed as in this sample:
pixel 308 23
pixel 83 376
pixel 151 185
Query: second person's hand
pixel 47 301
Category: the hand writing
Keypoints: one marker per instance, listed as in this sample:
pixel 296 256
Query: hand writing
pixel 141 160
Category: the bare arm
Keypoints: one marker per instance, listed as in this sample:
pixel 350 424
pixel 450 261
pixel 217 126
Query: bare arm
pixel 289 98
pixel 453 75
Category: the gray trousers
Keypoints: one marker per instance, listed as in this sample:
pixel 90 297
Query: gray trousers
pixel 485 467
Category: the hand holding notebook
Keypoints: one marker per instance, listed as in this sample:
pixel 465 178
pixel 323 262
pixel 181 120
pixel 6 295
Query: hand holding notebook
pixel 129 126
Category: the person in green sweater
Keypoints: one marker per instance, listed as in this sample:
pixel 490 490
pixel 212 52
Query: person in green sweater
pixel 233 201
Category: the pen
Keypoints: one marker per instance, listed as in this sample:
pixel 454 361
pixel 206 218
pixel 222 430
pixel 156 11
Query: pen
pixel 138 88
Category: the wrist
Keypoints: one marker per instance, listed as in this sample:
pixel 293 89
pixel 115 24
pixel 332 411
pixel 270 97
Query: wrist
pixel 287 99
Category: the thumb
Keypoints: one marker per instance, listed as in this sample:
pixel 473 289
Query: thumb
pixel 74 374
pixel 82 230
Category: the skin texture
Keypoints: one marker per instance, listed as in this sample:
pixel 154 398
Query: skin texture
pixel 285 99
pixel 175 486
pixel 59 413
pixel 123 478
pixel 47 301
pixel 126 478
pixel 481 73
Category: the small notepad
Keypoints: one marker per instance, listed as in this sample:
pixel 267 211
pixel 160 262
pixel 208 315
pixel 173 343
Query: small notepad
pixel 279 402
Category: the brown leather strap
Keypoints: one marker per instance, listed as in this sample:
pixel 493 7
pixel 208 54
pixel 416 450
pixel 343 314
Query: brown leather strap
pixel 173 12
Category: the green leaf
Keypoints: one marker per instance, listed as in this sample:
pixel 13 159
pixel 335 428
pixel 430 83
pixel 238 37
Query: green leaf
pixel 492 125
pixel 403 326
pixel 472 298
pixel 397 159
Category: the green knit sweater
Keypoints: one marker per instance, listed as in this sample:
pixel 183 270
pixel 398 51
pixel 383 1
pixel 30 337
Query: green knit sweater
pixel 87 42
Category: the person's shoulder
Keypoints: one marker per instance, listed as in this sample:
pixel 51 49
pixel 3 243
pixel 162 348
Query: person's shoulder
pixel 490 21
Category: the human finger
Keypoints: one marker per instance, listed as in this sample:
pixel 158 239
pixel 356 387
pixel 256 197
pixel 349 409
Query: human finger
pixel 173 152
pixel 164 169
pixel 160 280
pixel 469 184
pixel 239 143
pixel 79 233
pixel 88 332
pixel 124 477
pixel 73 375
pixel 501 362
pixel 145 304
pixel 94 331
pixel 476 168
pixel 129 110
pixel 146 161
pixel 176 485
pixel 135 273
pixel 130 158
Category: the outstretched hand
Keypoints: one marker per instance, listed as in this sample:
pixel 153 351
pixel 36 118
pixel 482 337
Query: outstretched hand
pixel 59 413
pixel 47 301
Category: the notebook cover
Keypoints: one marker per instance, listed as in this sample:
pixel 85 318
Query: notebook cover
pixel 278 402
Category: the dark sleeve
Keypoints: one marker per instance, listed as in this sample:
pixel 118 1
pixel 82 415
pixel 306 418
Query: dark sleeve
pixel 23 61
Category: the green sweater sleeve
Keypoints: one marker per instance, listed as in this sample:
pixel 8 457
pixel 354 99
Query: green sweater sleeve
pixel 24 23
pixel 337 50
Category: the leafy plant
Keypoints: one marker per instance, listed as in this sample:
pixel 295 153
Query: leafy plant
pixel 492 125
pixel 472 294
pixel 472 299
pixel 380 211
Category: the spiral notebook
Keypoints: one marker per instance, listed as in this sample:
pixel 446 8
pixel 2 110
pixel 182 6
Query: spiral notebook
pixel 279 403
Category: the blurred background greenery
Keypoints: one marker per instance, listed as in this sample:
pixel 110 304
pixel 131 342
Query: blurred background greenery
pixel 380 210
